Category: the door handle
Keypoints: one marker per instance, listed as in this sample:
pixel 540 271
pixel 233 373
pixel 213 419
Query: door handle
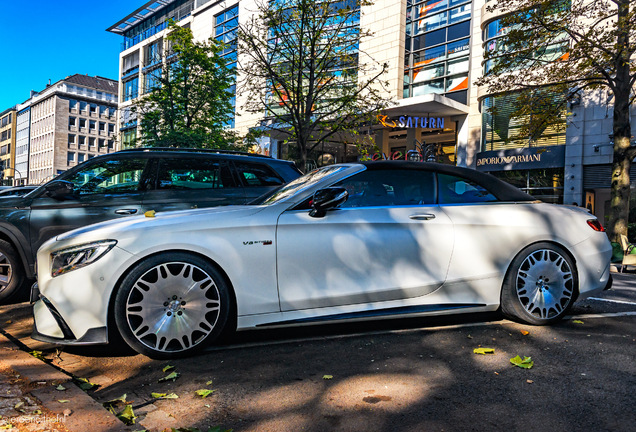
pixel 423 216
pixel 125 211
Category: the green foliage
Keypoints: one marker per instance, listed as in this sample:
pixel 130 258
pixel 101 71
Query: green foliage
pixel 188 104
pixel 302 66
pixel 570 47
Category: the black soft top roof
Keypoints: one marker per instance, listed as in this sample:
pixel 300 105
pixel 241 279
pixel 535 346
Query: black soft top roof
pixel 501 190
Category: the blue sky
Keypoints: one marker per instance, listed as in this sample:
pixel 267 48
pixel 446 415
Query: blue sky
pixel 44 40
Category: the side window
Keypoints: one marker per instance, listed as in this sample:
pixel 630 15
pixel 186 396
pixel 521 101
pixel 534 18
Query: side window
pixel 255 174
pixel 389 188
pixel 201 173
pixel 113 176
pixel 454 190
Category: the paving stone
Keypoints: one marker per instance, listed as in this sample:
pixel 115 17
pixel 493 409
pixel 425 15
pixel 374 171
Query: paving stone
pixel 9 391
pixel 9 403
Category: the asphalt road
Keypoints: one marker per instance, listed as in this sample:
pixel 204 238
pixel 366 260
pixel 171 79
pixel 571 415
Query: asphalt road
pixel 397 375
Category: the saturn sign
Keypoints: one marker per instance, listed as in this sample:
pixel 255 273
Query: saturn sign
pixel 412 122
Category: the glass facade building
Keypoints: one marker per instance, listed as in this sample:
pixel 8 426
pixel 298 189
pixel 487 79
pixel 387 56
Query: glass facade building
pixel 437 53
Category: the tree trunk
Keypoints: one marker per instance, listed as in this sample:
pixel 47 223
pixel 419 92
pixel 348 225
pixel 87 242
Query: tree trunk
pixel 623 153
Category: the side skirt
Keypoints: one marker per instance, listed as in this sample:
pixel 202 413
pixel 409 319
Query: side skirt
pixel 389 312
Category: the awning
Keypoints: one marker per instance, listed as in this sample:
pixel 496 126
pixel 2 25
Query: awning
pixel 430 105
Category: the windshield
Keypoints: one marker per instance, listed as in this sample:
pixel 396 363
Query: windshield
pixel 298 185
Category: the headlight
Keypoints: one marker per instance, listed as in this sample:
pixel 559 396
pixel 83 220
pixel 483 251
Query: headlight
pixel 66 260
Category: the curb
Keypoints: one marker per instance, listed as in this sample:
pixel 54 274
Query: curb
pixel 86 414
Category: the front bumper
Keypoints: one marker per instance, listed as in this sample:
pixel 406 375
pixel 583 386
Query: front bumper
pixel 72 309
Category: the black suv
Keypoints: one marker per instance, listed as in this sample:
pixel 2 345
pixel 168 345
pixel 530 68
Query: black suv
pixel 129 182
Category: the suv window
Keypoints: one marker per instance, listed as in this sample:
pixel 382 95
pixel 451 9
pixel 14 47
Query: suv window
pixel 454 190
pixel 389 188
pixel 112 176
pixel 255 174
pixel 201 173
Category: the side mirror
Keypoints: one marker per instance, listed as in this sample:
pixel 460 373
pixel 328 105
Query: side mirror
pixel 326 199
pixel 59 189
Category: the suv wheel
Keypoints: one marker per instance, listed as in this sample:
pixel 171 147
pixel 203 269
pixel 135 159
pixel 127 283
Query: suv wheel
pixel 172 305
pixel 12 275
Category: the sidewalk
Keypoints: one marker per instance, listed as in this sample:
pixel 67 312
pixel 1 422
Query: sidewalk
pixel 35 396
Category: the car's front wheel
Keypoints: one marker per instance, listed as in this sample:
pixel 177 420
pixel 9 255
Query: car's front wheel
pixel 172 305
pixel 12 275
pixel 540 286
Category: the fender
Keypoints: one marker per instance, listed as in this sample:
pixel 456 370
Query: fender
pixel 19 241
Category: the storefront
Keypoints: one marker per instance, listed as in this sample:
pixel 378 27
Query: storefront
pixel 538 171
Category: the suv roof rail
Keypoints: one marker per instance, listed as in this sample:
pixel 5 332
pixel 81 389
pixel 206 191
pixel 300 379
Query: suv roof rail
pixel 195 150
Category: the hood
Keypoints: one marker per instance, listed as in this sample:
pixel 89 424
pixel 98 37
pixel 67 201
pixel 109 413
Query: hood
pixel 196 217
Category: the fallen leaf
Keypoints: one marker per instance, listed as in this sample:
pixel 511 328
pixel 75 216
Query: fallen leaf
pixel 204 393
pixel 18 405
pixel 526 363
pixel 484 351
pixel 37 412
pixel 8 322
pixel 7 426
pixel 529 381
pixel 469 337
pixel 60 388
pixel 67 412
pixel 208 383
pixel 206 405
pixel 150 214
pixel 173 376
pixel 327 377
pixel 63 400
pixel 525 332
pixel 578 322
pixel 164 396
pixel 38 355
pixel 168 368
pixel 120 399
pixel 87 385
pixel 127 415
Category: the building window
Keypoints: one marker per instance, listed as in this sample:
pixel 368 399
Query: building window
pixel 225 25
pixel 111 112
pixel 70 157
pixel 131 89
pixel 83 106
pixel 92 124
pixel 93 108
pixel 111 128
pixel 102 110
pixel 91 142
pixel 72 121
pixel 111 144
pixel 71 139
pixel 501 131
pixel 102 127
pixel 72 104
pixel 100 143
pixel 437 49
pixel 80 157
pixel 82 123
pixel 82 140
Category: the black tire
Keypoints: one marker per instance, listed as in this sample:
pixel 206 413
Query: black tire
pixel 153 294
pixel 12 274
pixel 540 286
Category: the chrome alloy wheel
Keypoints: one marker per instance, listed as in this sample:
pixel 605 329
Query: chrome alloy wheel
pixel 5 271
pixel 173 307
pixel 545 284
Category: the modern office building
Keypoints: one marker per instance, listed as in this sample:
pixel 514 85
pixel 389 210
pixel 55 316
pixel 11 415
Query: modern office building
pixel 72 121
pixel 22 143
pixel 435 52
pixel 7 146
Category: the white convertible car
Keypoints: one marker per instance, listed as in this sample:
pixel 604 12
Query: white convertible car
pixel 344 242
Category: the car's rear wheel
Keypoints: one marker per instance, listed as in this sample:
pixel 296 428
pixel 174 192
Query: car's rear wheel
pixel 172 305
pixel 540 286
pixel 12 274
